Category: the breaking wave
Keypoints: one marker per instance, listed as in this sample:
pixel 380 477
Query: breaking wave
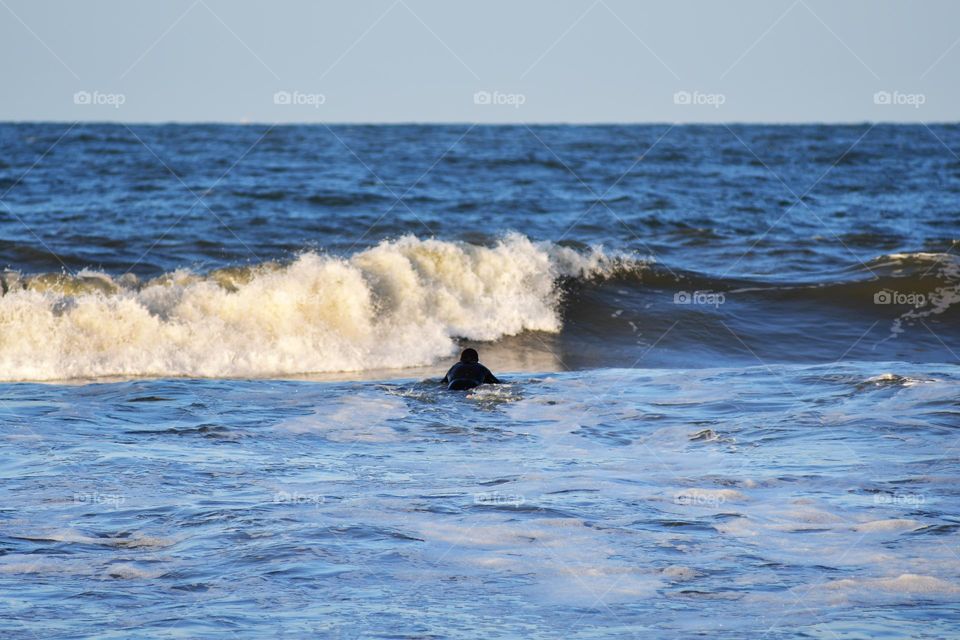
pixel 406 303
pixel 399 304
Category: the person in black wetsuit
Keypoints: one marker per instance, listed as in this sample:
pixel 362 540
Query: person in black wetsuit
pixel 468 373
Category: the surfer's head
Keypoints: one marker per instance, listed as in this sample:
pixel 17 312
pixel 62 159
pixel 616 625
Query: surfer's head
pixel 469 355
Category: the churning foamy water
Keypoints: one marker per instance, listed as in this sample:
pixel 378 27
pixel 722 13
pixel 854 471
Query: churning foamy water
pixel 399 304
pixel 404 303
pixel 660 502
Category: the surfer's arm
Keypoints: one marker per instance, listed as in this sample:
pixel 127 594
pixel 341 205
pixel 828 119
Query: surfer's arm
pixel 489 378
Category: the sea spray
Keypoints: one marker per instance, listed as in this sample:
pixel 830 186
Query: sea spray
pixel 401 303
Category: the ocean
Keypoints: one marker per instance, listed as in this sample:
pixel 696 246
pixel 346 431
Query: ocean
pixel 730 409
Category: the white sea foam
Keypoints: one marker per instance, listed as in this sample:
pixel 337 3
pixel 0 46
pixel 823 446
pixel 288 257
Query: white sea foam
pixel 903 585
pixel 573 563
pixel 398 304
pixel 352 418
pixel 947 267
pixel 894 524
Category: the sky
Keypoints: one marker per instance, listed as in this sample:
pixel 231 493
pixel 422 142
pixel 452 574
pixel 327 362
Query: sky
pixel 491 61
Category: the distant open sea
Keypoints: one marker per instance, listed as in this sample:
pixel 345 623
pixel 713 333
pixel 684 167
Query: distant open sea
pixel 732 399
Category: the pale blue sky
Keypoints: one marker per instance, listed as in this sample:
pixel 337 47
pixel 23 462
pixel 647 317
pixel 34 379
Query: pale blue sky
pixel 424 60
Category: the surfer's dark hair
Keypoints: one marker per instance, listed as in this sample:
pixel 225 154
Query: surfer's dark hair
pixel 469 355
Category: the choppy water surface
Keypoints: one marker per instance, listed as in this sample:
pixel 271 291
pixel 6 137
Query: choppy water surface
pixel 615 502
pixel 731 355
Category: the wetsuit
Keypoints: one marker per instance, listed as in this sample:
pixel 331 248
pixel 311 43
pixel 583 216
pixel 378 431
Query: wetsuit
pixel 467 375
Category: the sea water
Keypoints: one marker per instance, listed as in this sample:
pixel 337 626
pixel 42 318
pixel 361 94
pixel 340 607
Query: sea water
pixel 730 409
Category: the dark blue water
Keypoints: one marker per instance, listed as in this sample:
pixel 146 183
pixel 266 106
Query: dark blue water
pixel 771 201
pixel 730 352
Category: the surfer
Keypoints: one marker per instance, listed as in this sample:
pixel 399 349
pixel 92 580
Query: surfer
pixel 468 373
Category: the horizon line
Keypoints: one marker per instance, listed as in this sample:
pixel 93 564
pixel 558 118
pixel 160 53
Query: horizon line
pixel 584 123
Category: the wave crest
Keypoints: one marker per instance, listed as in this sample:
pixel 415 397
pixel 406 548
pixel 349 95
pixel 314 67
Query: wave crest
pixel 401 303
